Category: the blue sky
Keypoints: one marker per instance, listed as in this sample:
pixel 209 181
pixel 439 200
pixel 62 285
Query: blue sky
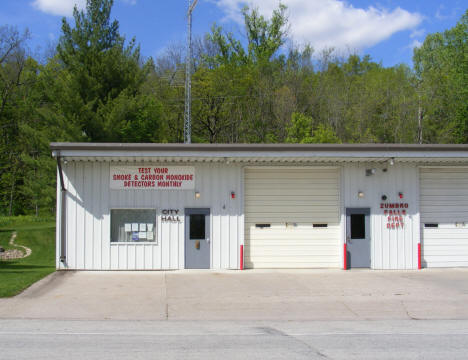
pixel 387 29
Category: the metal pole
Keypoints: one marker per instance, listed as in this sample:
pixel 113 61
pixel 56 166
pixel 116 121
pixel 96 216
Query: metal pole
pixel 188 76
pixel 63 213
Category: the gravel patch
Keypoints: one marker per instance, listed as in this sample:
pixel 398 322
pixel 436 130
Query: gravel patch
pixel 19 253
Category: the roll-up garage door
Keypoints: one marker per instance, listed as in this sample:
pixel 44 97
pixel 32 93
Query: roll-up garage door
pixel 292 217
pixel 444 216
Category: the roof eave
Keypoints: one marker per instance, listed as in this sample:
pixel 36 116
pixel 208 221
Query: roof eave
pixel 261 148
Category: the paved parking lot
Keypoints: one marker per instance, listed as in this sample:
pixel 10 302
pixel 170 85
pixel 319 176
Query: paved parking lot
pixel 245 295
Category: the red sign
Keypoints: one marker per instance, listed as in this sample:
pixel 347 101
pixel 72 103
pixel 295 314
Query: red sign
pixel 395 213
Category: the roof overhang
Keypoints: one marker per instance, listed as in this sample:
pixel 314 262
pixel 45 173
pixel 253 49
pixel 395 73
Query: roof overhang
pixel 262 153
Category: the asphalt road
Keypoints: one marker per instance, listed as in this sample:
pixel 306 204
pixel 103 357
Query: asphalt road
pixel 65 339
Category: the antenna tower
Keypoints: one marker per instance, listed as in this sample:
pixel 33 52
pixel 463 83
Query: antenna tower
pixel 188 76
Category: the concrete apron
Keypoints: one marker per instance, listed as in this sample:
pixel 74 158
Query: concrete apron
pixel 244 295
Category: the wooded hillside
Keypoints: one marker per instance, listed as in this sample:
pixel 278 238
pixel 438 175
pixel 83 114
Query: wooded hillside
pixel 95 86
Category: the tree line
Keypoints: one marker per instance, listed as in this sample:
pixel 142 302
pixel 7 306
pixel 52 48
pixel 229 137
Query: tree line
pixel 97 87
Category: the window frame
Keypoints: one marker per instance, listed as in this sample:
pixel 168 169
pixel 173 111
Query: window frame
pixel 155 242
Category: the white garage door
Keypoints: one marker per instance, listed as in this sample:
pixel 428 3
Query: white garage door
pixel 292 217
pixel 444 216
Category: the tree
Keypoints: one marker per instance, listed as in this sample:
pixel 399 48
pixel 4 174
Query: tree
pixel 264 37
pixel 13 65
pixel 100 74
pixel 302 130
pixel 441 65
pixel 252 74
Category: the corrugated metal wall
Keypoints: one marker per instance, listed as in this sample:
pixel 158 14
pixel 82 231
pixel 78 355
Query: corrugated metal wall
pixel 444 202
pixel 88 217
pixel 390 248
pixel 291 200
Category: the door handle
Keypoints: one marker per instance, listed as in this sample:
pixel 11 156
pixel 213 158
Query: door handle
pixel 208 240
pixel 348 239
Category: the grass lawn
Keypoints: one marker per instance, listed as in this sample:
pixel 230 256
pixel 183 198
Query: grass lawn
pixel 39 236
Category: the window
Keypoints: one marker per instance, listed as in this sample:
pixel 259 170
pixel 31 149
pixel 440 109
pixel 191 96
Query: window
pixel 358 226
pixel 133 225
pixel 197 226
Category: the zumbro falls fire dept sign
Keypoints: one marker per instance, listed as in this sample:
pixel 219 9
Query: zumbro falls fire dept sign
pixel 152 177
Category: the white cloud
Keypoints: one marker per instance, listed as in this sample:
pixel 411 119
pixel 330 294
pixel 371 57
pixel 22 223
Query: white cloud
pixel 415 44
pixel 331 23
pixel 58 7
pixel 417 33
pixel 130 2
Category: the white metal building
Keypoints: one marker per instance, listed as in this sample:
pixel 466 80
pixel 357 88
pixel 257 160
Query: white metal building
pixel 176 206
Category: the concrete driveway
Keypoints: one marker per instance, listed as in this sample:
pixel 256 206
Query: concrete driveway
pixel 245 295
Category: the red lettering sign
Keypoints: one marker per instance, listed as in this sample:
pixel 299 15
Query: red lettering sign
pixel 395 218
pixel 165 178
